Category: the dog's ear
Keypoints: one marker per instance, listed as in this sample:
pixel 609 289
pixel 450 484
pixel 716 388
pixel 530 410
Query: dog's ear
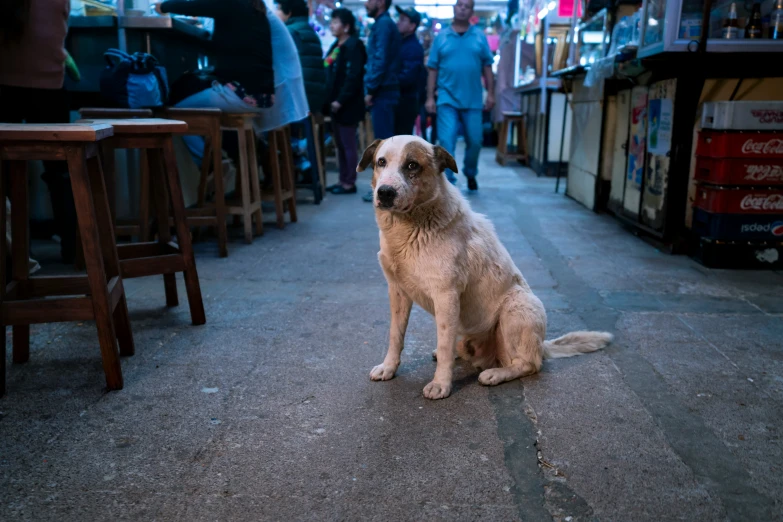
pixel 444 160
pixel 368 155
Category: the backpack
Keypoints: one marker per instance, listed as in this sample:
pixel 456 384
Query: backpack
pixel 135 81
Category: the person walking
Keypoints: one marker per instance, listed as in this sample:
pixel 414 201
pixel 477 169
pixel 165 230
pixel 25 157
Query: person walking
pixel 459 57
pixel 381 80
pixel 412 71
pixel 344 66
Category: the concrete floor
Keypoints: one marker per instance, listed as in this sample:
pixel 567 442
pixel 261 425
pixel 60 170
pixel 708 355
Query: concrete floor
pixel 268 413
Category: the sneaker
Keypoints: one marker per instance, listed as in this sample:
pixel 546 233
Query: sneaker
pixel 368 197
pixel 303 163
pixel 472 184
pixel 342 190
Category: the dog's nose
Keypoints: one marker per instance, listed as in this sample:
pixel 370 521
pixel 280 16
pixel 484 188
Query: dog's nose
pixel 386 195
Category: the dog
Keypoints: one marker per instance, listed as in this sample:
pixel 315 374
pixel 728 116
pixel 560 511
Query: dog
pixel 436 252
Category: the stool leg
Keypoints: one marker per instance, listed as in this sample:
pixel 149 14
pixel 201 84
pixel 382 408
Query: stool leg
pixel 319 155
pixel 255 184
pixel 274 167
pixel 144 197
pixel 110 178
pixel 205 163
pixel 3 277
pixel 192 285
pixel 96 276
pixel 157 171
pixel 220 191
pixel 244 176
pixel 111 259
pixel 20 251
pixel 288 175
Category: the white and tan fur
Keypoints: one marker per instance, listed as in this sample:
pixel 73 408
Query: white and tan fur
pixel 436 252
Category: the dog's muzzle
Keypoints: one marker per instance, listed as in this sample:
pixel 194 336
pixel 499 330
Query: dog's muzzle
pixel 386 196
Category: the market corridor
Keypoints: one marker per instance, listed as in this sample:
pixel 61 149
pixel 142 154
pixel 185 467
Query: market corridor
pixel 268 413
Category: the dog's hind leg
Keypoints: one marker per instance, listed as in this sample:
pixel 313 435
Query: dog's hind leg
pixel 520 335
pixel 401 306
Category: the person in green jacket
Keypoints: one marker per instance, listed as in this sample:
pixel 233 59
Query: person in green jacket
pixel 295 13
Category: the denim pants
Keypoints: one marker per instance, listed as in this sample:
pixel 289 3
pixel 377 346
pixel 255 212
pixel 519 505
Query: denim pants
pixel 449 119
pixel 218 97
pixel 382 113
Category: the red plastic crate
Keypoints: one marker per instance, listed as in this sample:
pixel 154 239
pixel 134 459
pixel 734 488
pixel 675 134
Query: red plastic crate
pixel 728 144
pixel 739 200
pixel 739 171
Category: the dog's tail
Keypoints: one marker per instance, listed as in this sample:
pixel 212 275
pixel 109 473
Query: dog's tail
pixel 576 343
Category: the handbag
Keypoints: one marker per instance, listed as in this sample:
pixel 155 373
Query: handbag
pixel 135 81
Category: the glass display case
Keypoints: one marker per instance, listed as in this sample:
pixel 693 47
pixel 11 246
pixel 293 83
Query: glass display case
pixel 676 26
pixel 592 39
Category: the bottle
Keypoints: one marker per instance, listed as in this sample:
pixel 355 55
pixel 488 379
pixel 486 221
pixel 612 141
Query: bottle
pixel 730 24
pixel 753 28
pixel 776 21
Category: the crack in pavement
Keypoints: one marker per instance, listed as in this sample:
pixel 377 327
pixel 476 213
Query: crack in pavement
pixel 691 439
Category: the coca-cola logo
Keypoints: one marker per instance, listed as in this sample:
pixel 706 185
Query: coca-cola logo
pixel 768 116
pixel 763 173
pixel 773 146
pixel 762 202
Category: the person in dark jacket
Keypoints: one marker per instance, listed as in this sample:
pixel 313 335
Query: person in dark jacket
pixel 381 82
pixel 294 13
pixel 344 65
pixel 412 72
pixel 242 48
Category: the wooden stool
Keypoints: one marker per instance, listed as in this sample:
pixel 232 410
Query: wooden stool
pixel 512 121
pixel 248 185
pixel 162 257
pixel 318 125
pixel 335 157
pixel 139 228
pixel 312 135
pixel 99 113
pixel 206 123
pixel 101 294
pixel 280 166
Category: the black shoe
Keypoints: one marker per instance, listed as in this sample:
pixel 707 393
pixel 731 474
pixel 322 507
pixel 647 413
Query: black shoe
pixel 332 187
pixel 368 197
pixel 339 189
pixel 472 184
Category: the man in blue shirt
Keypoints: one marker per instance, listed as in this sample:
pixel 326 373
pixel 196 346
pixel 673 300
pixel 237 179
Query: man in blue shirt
pixel 381 82
pixel 411 71
pixel 459 57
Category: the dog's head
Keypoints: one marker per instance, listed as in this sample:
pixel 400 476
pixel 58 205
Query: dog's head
pixel 407 171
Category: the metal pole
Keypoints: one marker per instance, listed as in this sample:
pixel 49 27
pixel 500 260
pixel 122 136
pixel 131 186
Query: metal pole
pixel 562 142
pixel 122 42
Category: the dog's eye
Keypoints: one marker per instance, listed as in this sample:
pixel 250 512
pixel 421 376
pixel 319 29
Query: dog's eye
pixel 381 162
pixel 412 165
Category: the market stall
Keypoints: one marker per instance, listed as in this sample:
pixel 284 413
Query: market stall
pixel 540 51
pixel 652 102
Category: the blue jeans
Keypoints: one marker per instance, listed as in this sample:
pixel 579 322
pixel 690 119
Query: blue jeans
pixel 449 119
pixel 382 114
pixel 218 97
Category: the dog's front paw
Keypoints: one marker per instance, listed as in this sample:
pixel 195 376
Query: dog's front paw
pixel 382 372
pixel 437 390
pixel 491 377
